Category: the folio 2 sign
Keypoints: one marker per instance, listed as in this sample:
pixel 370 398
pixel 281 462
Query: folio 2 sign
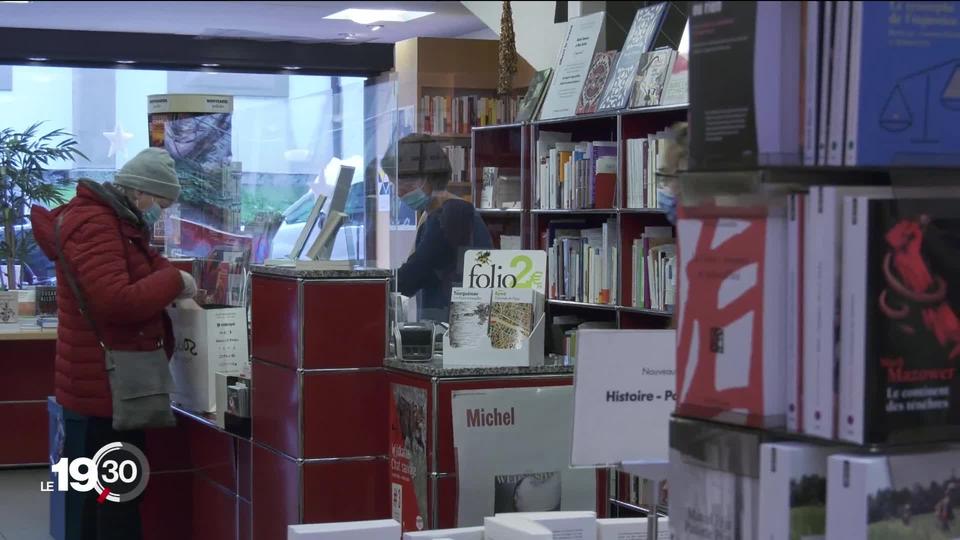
pixel 505 269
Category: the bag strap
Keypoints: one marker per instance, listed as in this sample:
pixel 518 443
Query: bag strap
pixel 72 281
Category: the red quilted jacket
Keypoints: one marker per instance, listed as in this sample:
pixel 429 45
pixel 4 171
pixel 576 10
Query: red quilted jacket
pixel 126 285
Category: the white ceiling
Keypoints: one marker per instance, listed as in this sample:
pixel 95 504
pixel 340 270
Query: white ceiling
pixel 291 21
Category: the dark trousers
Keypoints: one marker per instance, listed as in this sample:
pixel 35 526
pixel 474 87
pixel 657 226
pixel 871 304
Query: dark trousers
pixel 86 519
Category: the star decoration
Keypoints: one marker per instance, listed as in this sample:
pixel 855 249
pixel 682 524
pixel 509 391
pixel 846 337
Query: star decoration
pixel 118 140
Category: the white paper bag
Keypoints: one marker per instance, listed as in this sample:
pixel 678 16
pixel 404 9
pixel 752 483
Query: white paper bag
pixel 208 340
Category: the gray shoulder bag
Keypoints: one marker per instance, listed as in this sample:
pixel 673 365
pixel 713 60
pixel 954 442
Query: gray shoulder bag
pixel 140 381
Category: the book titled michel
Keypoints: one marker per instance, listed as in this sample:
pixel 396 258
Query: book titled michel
pixel 900 337
pixel 903 95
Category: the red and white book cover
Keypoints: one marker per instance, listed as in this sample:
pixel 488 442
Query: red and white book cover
pixel 731 317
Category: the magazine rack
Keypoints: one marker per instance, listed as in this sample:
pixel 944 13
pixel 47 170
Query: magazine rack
pixel 529 354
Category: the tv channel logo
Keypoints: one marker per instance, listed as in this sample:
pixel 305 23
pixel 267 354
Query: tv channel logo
pixel 118 472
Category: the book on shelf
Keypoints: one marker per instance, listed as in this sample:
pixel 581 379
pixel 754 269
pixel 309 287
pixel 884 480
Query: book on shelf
pixel 645 158
pixel 744 85
pixel 906 495
pixel 646 25
pixel 677 86
pixel 900 343
pixel 600 69
pixel 902 105
pixel 529 105
pixel 457 155
pixel 793 490
pixel 572 175
pixel 581 263
pixel 654 269
pixel 443 115
pixel 510 242
pixel 488 179
pixel 652 75
pixel 10 311
pixel 730 346
pixel 499 191
pixel 572 66
pixel 839 73
pixel 825 55
pixel 796 247
pixel 813 24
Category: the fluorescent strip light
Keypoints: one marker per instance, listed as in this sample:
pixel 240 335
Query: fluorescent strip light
pixel 38 59
pixel 126 61
pixel 372 16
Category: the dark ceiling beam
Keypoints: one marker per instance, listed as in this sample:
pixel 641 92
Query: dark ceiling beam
pixel 179 52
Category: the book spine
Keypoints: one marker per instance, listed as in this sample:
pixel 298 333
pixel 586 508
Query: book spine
pixel 830 244
pixel 774 508
pixel 853 344
pixel 794 307
pixel 774 320
pixel 811 303
pixel 838 84
pixel 826 62
pixel 853 85
pixel 812 48
pixel 848 479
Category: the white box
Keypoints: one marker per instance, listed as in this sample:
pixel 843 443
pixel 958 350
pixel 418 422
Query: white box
pixel 514 528
pixel 208 341
pixel 563 525
pixel 630 529
pixel 792 475
pixel 463 533
pixel 381 529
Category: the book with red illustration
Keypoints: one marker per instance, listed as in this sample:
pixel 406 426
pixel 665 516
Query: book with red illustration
pixel 900 341
pixel 600 69
pixel 731 317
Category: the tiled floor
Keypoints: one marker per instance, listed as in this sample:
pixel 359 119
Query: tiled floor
pixel 24 509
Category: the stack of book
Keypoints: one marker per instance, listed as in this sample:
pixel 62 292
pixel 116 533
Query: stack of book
pixel 654 269
pixel 582 263
pixel 441 115
pixel 644 159
pixel 576 175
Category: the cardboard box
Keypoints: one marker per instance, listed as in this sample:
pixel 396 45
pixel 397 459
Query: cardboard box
pixel 380 529
pixel 630 529
pixel 463 533
pixel 566 525
pixel 208 340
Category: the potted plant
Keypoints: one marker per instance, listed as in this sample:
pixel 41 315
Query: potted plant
pixel 24 158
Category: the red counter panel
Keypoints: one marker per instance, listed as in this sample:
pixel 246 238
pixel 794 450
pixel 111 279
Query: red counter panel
pixel 275 398
pixel 276 494
pixel 274 316
pixel 213 455
pixel 344 324
pixel 169 449
pixel 27 366
pixel 214 511
pixel 344 414
pixel 29 421
pixel 167 507
pixel 345 491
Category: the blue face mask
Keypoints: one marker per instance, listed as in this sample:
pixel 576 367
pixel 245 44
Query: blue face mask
pixel 416 199
pixel 152 215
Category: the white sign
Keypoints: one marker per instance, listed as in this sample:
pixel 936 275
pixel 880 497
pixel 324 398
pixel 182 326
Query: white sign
pixel 512 453
pixel 505 269
pixel 573 63
pixel 624 388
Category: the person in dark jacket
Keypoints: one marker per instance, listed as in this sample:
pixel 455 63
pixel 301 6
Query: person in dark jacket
pixel 448 225
pixel 105 235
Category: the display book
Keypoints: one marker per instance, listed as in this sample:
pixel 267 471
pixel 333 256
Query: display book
pixel 834 83
pixel 497 317
pixel 582 261
pixel 575 174
pixel 499 191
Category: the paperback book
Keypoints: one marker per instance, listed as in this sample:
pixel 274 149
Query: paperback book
pixel 600 69
pixel 646 25
pixel 796 247
pixel 530 103
pixel 676 89
pixel 648 84
pixel 513 313
pixel 793 490
pixel 469 316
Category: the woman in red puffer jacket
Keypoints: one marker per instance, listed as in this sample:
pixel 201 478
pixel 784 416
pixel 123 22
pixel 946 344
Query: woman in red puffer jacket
pixel 105 235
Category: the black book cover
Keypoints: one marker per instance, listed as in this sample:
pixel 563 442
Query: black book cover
pixel 913 326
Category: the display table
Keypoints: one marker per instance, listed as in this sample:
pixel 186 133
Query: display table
pixel 26 379
pixel 439 384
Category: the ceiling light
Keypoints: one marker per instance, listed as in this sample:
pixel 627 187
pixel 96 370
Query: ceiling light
pixel 126 61
pixel 38 59
pixel 371 16
pixel 15 2
pixel 376 28
pixel 210 65
pixel 291 68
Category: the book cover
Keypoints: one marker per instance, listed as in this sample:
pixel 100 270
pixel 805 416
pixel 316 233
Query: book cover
pixel 530 104
pixel 597 77
pixel 745 85
pixel 572 66
pixel 9 308
pixel 487 187
pixel 901 343
pixel 731 324
pixel 646 25
pixel 648 84
pixel 796 221
pixel 512 314
pixel 469 316
pixel 793 491
pixel 676 89
pixel 897 497
pixel 812 59
pixel 904 88
pixel 840 73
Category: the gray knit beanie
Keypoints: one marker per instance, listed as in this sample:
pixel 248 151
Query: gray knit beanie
pixel 151 171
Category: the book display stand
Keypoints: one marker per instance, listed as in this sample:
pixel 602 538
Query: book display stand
pixel 529 354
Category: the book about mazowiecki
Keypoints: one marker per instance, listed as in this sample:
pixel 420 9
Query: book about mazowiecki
pixel 900 340
pixel 793 490
pixel 903 496
pixel 731 316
